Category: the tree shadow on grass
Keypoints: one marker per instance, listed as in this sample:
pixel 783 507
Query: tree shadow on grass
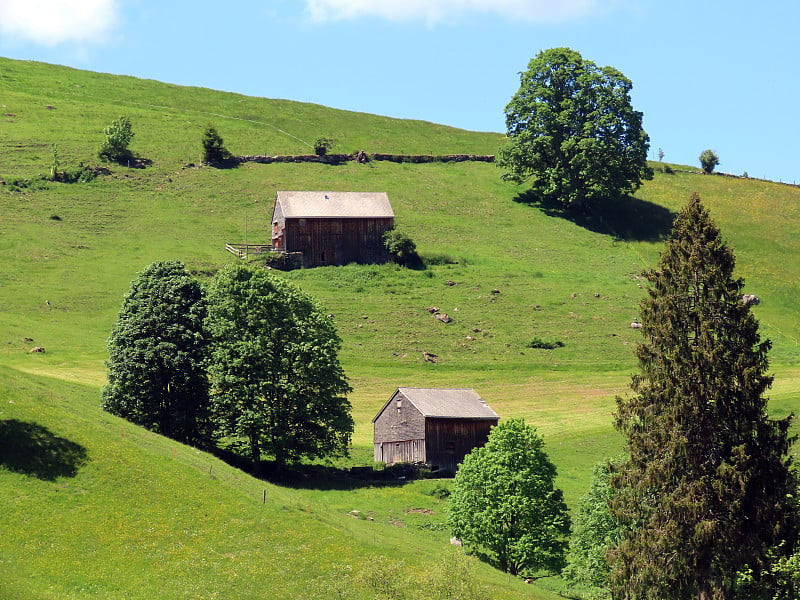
pixel 31 449
pixel 625 218
pixel 224 163
pixel 327 478
pixel 320 477
pixel 128 159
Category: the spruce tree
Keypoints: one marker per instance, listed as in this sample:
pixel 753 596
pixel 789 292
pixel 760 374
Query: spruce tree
pixel 214 150
pixel 706 491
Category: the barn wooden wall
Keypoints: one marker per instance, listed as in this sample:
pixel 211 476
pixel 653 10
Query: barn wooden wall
pixel 409 451
pixel 338 241
pixel 448 441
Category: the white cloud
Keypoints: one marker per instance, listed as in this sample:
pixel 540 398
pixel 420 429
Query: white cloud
pixel 53 22
pixel 431 11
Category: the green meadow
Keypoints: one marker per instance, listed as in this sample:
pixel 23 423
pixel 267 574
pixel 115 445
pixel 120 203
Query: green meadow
pixel 96 507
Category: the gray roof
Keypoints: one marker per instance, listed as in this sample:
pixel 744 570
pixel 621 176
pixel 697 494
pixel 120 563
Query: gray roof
pixel 348 205
pixel 449 403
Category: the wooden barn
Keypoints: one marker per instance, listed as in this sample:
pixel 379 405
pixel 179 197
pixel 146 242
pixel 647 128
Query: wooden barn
pixel 332 228
pixel 438 427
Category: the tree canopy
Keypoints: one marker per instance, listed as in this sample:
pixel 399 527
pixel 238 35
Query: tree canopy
pixel 595 532
pixel 274 369
pixel 706 493
pixel 156 355
pixel 504 501
pixel 118 137
pixel 708 160
pixel 573 132
pixel 214 150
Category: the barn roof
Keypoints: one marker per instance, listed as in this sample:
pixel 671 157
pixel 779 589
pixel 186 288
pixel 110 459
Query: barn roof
pixel 348 205
pixel 447 403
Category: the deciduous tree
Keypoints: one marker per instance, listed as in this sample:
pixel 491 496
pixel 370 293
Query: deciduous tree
pixel 594 533
pixel 707 491
pixel 118 137
pixel 156 355
pixel 275 373
pixel 573 132
pixel 708 160
pixel 322 145
pixel 505 503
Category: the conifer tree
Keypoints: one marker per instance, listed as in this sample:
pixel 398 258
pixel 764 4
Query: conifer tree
pixel 706 491
pixel 214 150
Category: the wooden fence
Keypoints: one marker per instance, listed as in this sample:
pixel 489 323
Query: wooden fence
pixel 244 250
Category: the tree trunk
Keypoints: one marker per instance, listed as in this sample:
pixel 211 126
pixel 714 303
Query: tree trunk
pixel 503 559
pixel 255 452
pixel 704 588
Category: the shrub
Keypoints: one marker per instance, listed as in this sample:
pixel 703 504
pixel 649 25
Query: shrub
pixel 402 248
pixel 540 344
pixel 322 145
pixel 399 243
pixel 18 185
pixel 708 160
pixel 280 261
pixel 118 137
pixel 81 174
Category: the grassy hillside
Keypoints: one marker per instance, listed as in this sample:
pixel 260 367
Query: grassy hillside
pixel 141 513
pixel 95 507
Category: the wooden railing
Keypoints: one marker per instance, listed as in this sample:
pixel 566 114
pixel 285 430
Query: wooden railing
pixel 243 250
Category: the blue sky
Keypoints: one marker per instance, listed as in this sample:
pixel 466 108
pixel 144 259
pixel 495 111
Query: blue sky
pixel 714 74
